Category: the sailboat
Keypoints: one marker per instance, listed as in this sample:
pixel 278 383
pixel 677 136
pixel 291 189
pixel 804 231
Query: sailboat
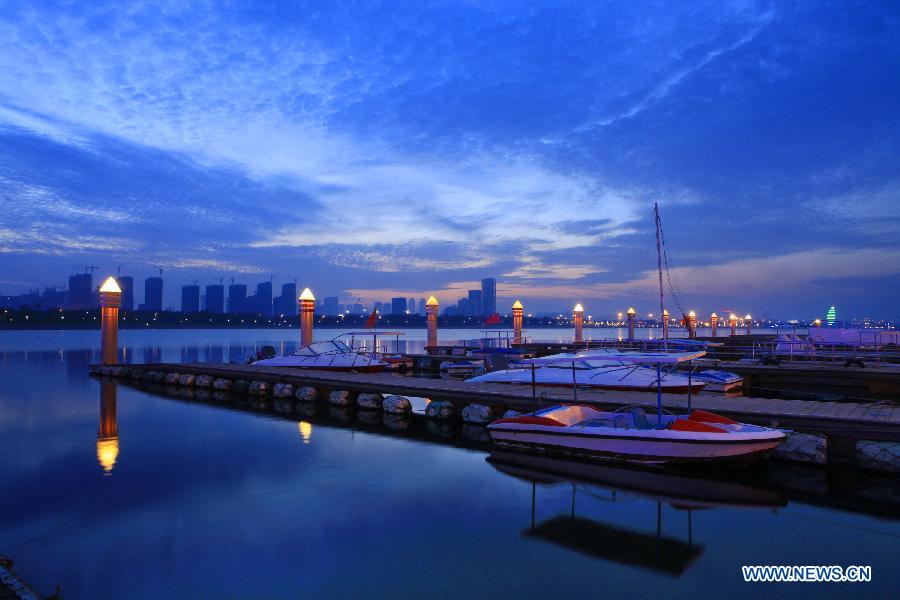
pixel 634 435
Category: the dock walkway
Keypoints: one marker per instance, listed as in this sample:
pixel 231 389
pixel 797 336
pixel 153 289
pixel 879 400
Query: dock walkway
pixel 860 420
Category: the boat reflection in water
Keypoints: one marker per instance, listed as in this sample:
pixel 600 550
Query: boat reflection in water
pixel 613 543
pixel 108 433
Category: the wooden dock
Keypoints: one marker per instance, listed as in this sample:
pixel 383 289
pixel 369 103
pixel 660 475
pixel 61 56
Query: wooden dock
pixel 861 420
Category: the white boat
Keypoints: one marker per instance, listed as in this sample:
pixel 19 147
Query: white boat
pixel 719 381
pixel 634 436
pixel 460 367
pixel 602 369
pixel 326 356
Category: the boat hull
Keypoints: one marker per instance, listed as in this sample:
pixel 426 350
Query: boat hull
pixel 633 448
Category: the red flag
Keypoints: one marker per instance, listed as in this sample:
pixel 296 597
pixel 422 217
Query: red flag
pixel 373 319
pixel 494 319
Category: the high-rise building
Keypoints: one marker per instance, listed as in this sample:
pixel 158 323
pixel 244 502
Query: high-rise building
pixel 286 303
pixel 330 306
pixel 81 291
pixel 237 298
pixel 190 298
pixel 831 316
pixel 488 296
pixel 421 309
pixel 126 284
pixel 398 306
pixel 153 294
pixel 411 306
pixel 215 298
pixel 261 301
pixel 474 303
pixel 462 307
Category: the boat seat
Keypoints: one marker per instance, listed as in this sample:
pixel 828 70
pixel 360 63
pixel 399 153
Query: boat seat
pixel 640 417
pixel 595 423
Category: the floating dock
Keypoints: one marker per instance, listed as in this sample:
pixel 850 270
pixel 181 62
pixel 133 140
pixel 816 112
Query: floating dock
pixel 857 420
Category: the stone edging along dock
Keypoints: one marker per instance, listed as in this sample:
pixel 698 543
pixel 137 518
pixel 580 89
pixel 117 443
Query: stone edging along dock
pixel 851 426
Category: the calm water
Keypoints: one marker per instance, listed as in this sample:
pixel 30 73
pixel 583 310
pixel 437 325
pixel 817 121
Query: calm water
pixel 111 491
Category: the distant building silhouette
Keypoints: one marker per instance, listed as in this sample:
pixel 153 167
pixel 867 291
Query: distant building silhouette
pixel 421 309
pixel 81 291
pixel 261 301
pixel 330 306
pixel 190 298
pixel 474 304
pixel 153 294
pixel 286 303
pixel 398 306
pixel 215 298
pixel 237 298
pixel 488 296
pixel 462 307
pixel 126 284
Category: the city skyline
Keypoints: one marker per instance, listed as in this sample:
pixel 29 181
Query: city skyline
pixel 386 151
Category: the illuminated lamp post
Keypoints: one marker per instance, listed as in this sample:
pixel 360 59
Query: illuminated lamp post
pixel 578 317
pixel 817 323
pixel 631 317
pixel 431 312
pixel 747 321
pixel 666 324
pixel 732 320
pixel 713 323
pixel 307 314
pixel 110 300
pixel 517 310
pixel 692 325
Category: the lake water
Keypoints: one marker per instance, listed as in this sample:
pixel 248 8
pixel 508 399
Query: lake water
pixel 114 491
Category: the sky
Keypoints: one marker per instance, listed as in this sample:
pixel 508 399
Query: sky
pixel 373 149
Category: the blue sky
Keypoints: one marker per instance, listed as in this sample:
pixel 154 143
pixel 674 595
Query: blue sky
pixel 376 149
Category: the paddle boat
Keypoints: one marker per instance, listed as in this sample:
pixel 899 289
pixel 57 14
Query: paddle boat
pixel 600 369
pixel 634 435
pixel 333 355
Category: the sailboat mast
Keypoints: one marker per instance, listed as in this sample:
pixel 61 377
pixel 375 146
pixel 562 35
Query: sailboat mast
pixel 659 272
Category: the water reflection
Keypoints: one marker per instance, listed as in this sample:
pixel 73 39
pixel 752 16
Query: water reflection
pixel 108 433
pixel 631 546
pixel 305 428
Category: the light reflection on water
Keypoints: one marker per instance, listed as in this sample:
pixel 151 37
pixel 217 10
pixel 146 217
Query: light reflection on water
pixel 205 496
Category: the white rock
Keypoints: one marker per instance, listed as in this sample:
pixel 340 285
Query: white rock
pixel 283 390
pixel 258 388
pixel 803 447
pixel 370 401
pixel 879 456
pixel 477 413
pixel 340 398
pixel 171 378
pixel 203 381
pixel 440 409
pixel 397 405
pixel 307 394
pixel 222 385
pixel 187 379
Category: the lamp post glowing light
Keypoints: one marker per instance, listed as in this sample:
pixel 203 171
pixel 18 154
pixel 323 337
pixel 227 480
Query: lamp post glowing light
pixel 732 320
pixel 517 310
pixel 747 321
pixel 578 317
pixel 692 324
pixel 431 313
pixel 307 315
pixel 631 317
pixel 110 300
pixel 665 324
pixel 713 321
pixel 817 322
